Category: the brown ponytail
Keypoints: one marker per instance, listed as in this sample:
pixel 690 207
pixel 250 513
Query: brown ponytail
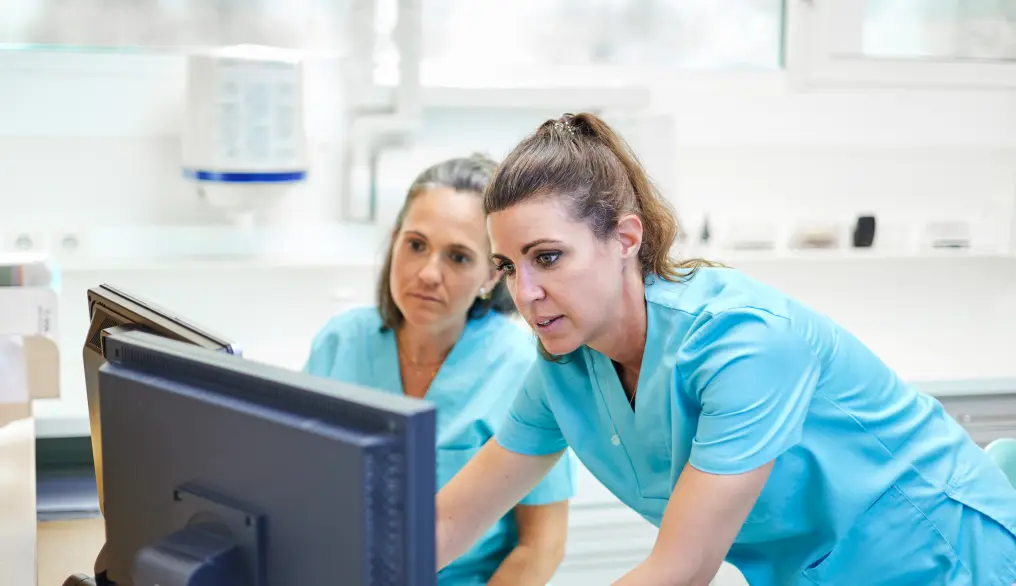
pixel 581 158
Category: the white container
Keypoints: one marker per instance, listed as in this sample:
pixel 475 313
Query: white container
pixel 244 137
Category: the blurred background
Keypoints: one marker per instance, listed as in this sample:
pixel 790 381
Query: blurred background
pixel 782 131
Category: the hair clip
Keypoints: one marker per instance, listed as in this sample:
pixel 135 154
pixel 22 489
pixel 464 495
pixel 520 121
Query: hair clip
pixel 561 125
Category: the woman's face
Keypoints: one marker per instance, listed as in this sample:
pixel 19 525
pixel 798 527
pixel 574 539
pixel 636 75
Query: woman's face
pixel 563 279
pixel 440 258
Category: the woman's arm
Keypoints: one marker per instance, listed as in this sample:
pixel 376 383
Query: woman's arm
pixel 702 519
pixel 486 488
pixel 543 530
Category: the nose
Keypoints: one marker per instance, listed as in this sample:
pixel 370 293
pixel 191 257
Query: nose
pixel 526 289
pixel 431 271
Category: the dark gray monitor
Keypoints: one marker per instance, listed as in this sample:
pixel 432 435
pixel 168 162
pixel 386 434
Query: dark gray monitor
pixel 227 472
pixel 112 309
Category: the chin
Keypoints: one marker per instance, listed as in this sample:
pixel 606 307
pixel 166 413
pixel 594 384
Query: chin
pixel 560 346
pixel 422 319
pixel 419 316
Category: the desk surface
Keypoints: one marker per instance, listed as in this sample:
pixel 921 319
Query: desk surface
pixel 56 419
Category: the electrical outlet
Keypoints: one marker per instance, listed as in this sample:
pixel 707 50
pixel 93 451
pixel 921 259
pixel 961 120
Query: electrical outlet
pixel 25 241
pixel 68 242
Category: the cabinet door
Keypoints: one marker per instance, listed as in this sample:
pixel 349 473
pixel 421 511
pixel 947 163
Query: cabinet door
pixel 985 417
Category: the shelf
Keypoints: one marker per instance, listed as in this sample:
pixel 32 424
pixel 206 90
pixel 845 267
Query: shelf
pixel 735 257
pixel 337 245
pixel 142 265
pixel 212 247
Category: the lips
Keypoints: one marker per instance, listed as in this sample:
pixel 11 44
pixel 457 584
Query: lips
pixel 546 322
pixel 425 297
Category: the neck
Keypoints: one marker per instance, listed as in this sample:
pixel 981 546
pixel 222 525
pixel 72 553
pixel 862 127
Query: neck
pixel 624 340
pixel 428 345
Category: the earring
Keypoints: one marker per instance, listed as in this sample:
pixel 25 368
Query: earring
pixel 483 293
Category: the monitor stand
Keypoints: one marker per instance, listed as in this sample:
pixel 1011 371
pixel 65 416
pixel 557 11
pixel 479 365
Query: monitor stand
pixel 217 543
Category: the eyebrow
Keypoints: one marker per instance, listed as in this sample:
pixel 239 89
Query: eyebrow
pixel 498 256
pixel 537 242
pixel 455 245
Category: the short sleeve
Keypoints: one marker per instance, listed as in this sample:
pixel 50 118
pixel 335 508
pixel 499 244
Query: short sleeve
pixel 530 427
pixel 558 485
pixel 754 377
pixel 324 348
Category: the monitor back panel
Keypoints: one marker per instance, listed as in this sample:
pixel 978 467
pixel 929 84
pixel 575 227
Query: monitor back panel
pixel 309 478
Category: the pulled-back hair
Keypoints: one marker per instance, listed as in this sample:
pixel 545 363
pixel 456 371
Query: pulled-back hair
pixel 465 175
pixel 581 159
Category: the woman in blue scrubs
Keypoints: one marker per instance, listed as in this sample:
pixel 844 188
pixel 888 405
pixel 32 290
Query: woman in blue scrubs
pixel 743 424
pixel 441 331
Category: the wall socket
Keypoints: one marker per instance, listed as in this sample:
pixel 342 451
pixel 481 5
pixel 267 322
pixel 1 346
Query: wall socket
pixel 68 242
pixel 25 241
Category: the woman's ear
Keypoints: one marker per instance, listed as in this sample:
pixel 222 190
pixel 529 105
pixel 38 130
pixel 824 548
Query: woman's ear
pixel 629 234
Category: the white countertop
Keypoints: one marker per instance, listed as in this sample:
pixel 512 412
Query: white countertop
pixel 55 419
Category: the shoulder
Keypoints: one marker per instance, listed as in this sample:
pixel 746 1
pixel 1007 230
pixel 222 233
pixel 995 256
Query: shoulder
pixel 718 306
pixel 340 335
pixel 356 322
pixel 712 291
pixel 718 316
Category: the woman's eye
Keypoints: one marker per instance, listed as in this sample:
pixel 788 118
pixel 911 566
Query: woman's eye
pixel 545 259
pixel 459 259
pixel 416 246
pixel 507 268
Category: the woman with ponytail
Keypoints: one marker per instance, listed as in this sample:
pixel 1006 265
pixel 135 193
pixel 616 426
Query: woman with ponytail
pixel 744 425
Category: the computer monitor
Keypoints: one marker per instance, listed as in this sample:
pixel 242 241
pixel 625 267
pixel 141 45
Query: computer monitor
pixel 247 474
pixel 113 309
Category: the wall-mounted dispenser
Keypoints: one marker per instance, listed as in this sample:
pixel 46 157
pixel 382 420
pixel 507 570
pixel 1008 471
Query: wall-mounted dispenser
pixel 244 138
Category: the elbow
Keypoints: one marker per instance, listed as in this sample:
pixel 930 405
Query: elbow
pixel 552 556
pixel 548 553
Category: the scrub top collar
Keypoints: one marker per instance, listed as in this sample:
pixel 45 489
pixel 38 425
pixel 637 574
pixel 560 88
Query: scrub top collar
pixel 386 370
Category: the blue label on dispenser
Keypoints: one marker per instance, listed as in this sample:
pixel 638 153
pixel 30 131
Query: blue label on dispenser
pixel 265 177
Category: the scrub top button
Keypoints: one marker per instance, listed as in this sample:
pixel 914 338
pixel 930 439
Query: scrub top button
pixel 615 440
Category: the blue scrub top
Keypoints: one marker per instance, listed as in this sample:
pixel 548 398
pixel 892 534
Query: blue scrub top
pixel 873 482
pixel 472 392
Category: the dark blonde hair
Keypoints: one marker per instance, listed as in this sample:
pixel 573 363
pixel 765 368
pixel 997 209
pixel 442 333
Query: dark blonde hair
pixel 465 175
pixel 581 159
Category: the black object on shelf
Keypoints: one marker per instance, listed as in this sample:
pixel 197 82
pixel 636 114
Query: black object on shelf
pixel 864 232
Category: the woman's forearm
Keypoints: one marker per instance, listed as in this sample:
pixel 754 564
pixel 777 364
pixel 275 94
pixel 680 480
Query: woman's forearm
pixel 527 565
pixel 655 572
pixel 486 488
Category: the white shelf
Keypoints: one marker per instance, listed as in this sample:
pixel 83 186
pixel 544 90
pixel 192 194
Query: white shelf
pixel 735 257
pixel 314 260
pixel 215 247
pixel 142 265
pixel 337 245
